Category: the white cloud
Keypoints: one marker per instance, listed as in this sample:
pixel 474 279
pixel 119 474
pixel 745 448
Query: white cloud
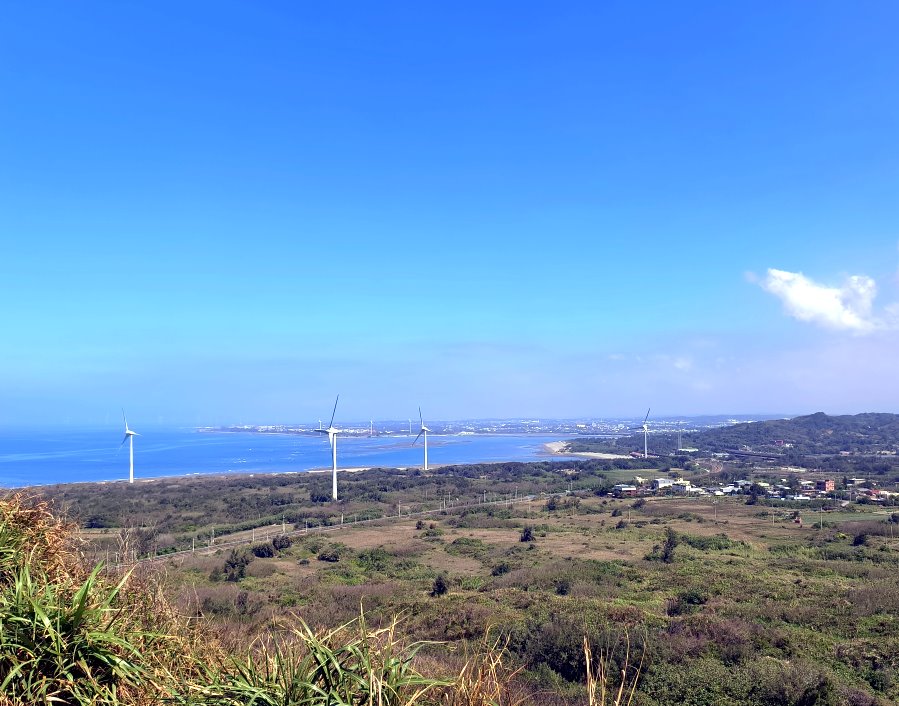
pixel 846 308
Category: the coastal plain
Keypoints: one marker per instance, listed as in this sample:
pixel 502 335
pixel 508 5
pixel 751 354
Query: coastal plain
pixel 717 601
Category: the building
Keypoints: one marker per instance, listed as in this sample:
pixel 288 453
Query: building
pixel 661 483
pixel 825 486
pixel 623 490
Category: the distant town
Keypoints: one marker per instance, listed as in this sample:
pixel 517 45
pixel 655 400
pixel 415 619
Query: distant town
pixel 596 427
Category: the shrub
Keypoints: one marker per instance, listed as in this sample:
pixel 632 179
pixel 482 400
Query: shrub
pixel 235 567
pixel 671 541
pixel 330 555
pixel 282 542
pixel 440 586
pixel 263 551
pixel 527 534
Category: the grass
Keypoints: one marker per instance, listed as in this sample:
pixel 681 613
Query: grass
pixel 70 634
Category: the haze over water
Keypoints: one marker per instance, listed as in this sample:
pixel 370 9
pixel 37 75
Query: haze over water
pixel 42 458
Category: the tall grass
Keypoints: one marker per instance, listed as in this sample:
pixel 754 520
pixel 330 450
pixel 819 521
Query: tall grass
pixel 71 635
pixel 599 692
pixel 351 664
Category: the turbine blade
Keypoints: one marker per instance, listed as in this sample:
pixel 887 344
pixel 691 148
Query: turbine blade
pixel 124 419
pixel 335 411
pixel 418 437
pixel 647 416
pixel 123 441
pixel 420 419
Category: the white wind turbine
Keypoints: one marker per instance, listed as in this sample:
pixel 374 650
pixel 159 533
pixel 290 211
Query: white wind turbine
pixel 424 431
pixel 645 429
pixel 129 437
pixel 332 432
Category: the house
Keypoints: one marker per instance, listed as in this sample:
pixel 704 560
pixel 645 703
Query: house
pixel 623 490
pixel 826 486
pixel 661 483
pixel 682 486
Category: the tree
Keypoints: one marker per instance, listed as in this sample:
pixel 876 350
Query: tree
pixel 527 534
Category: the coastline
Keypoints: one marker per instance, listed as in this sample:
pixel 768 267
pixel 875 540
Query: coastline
pixel 557 448
pixel 82 457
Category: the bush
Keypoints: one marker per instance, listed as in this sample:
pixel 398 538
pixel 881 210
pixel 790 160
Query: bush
pixel 718 541
pixel 671 541
pixel 329 555
pixel 263 551
pixel 440 587
pixel 282 542
pixel 235 567
pixel 527 534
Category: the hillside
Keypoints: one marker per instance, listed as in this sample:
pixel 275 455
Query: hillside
pixel 813 434
pixel 817 433
pixel 717 601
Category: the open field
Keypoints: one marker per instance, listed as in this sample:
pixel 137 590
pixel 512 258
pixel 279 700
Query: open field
pixel 747 605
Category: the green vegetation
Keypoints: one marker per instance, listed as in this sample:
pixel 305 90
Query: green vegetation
pixel 862 444
pixel 718 602
pixel 72 636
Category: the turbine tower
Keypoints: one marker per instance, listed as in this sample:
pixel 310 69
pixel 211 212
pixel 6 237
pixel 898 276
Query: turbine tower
pixel 424 431
pixel 332 432
pixel 646 436
pixel 129 437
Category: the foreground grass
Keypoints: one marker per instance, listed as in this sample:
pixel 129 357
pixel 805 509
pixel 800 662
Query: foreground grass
pixel 69 634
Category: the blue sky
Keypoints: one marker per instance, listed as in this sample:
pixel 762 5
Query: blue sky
pixel 217 212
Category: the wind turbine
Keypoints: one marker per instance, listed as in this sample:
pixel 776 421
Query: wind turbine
pixel 424 431
pixel 332 432
pixel 129 437
pixel 645 428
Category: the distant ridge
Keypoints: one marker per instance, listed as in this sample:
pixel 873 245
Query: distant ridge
pixel 820 433
pixel 811 434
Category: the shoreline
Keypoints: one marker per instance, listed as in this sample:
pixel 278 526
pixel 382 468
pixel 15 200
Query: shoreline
pixel 558 448
pixel 269 459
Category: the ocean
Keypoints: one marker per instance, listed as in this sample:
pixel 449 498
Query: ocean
pixel 30 457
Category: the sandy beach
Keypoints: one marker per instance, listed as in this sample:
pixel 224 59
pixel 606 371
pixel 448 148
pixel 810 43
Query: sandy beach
pixel 558 447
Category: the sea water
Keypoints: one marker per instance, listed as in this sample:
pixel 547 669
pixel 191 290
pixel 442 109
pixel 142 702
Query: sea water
pixel 30 457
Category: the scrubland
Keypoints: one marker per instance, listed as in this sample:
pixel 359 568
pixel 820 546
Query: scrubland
pixel 683 600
